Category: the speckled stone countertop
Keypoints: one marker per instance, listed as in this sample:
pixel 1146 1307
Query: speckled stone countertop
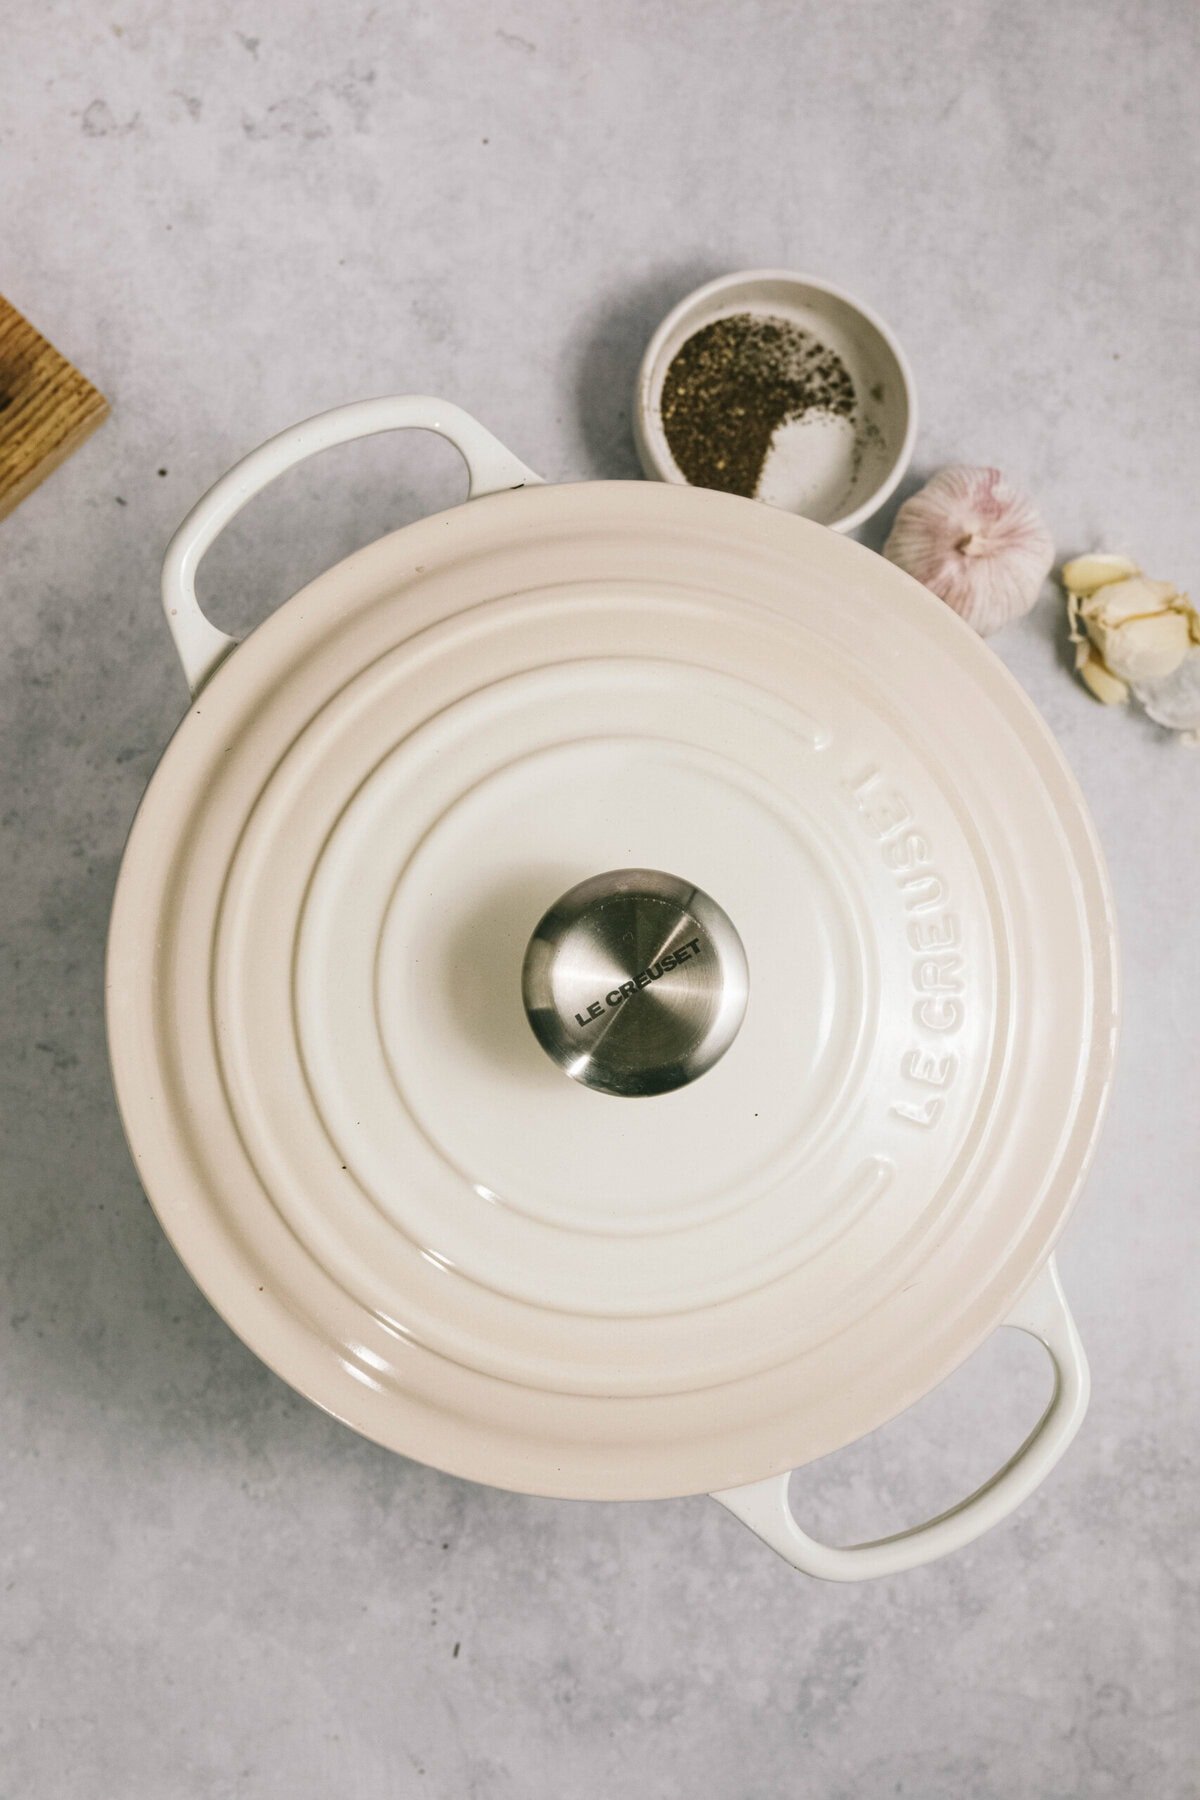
pixel 232 216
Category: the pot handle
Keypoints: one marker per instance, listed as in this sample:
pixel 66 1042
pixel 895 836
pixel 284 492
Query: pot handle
pixel 1041 1311
pixel 199 643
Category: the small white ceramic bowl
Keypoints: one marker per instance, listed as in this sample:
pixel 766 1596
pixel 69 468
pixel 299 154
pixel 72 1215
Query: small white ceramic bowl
pixel 836 471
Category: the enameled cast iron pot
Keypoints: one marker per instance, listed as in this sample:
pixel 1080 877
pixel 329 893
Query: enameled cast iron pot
pixel 322 1052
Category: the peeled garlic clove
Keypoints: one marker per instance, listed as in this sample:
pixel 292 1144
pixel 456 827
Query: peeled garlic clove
pixel 1174 701
pixel 1107 688
pixel 1084 574
pixel 1143 648
pixel 976 543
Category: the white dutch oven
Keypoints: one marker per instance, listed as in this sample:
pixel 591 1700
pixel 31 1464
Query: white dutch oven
pixel 361 1150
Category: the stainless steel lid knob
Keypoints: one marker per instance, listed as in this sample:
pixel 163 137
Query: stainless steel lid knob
pixel 635 982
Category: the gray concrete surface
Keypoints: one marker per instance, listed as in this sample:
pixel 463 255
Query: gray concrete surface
pixel 232 215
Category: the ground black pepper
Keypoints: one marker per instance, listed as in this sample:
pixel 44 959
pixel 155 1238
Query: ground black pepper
pixel 733 384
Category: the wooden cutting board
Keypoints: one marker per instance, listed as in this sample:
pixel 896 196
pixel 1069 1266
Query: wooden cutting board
pixel 47 408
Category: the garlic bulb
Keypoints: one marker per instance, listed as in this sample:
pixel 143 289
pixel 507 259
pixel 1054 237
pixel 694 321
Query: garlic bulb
pixel 976 543
pixel 1131 633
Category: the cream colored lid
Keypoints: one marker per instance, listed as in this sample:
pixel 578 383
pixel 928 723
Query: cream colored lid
pixel 339 1110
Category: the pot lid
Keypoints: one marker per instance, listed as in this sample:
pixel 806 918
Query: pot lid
pixel 320 1037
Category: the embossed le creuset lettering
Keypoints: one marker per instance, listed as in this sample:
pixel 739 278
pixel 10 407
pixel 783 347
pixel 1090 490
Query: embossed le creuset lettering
pixel 629 989
pixel 938 975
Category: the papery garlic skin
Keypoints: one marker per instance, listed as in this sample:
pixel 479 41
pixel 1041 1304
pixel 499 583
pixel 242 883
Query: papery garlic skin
pixel 1174 701
pixel 976 543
